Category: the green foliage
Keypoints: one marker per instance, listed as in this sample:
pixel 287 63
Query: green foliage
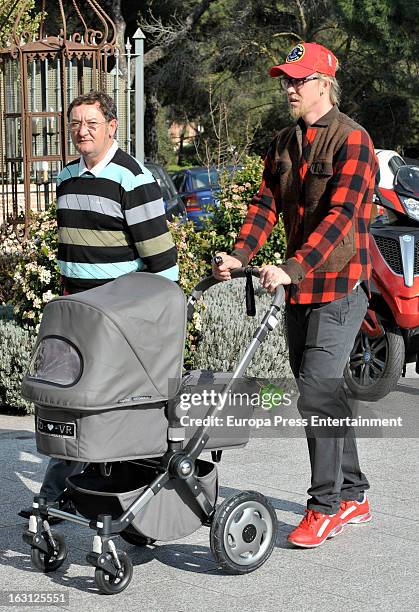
pixel 226 61
pixel 191 249
pixel 9 10
pixel 166 151
pixel 11 250
pixel 223 228
pixel 226 331
pixel 16 345
pixel 37 277
pixel 196 249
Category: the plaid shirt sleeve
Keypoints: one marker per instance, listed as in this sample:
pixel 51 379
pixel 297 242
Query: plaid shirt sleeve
pixel 354 170
pixel 262 215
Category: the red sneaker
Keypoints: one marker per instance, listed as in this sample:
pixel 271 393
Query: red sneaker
pixel 314 529
pixel 355 512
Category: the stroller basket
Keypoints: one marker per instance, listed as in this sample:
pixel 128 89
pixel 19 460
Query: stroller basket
pixel 171 514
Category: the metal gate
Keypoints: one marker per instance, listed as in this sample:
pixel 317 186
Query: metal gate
pixel 38 79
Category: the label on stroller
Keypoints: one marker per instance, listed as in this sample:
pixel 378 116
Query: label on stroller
pixel 56 428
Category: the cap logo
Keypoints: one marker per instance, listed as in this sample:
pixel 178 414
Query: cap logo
pixel 296 54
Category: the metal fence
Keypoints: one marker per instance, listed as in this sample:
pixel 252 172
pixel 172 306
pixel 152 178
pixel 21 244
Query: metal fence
pixel 36 86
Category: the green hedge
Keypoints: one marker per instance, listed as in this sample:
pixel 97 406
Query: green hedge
pixel 226 331
pixel 16 345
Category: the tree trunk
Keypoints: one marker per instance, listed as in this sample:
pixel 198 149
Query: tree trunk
pixel 151 145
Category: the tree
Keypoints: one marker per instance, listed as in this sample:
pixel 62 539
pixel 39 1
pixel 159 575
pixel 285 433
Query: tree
pixel 9 11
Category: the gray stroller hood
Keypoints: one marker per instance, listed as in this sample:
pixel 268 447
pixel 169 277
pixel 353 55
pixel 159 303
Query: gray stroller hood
pixel 111 347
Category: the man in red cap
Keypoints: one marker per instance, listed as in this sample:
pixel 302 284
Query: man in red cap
pixel 319 174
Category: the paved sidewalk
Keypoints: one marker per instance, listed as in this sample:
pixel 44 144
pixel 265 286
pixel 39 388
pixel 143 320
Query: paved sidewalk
pixel 368 567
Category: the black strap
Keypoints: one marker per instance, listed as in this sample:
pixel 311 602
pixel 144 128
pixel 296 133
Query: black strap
pixel 216 456
pixel 250 294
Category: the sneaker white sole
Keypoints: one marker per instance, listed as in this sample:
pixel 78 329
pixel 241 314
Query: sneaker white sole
pixel 336 531
pixel 359 520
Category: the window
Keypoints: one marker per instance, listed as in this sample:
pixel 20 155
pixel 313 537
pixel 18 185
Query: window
pixel 56 361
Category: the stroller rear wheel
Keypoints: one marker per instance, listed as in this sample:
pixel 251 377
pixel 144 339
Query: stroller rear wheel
pixel 53 559
pixel 109 584
pixel 243 532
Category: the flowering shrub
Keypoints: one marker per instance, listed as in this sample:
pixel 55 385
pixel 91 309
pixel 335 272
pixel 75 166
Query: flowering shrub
pixel 223 228
pixel 16 344
pixel 192 247
pixel 11 250
pixel 37 277
pixel 227 332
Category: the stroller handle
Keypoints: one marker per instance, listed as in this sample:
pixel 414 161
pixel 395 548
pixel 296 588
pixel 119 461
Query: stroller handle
pixel 210 281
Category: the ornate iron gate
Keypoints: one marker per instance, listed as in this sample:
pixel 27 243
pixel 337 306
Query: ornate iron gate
pixel 38 79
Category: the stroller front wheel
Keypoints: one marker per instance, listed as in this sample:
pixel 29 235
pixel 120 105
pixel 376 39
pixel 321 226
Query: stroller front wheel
pixel 243 532
pixel 109 584
pixel 53 559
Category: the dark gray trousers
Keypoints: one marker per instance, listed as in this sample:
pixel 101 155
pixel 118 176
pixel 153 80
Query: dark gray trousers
pixel 57 471
pixel 320 338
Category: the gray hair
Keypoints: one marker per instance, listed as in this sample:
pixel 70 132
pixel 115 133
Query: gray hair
pixel 334 90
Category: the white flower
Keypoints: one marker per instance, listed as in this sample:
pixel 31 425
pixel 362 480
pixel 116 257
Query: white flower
pixel 37 303
pixel 197 321
pixel 44 275
pixel 47 296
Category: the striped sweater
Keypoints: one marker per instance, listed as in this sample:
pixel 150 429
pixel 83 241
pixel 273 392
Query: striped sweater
pixel 111 221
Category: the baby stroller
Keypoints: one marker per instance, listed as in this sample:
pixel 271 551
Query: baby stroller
pixel 99 381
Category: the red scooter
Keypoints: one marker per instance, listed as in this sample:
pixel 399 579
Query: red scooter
pixel 389 335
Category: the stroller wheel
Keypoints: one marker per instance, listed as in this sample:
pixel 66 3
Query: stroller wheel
pixel 50 561
pixel 243 532
pixel 110 585
pixel 135 538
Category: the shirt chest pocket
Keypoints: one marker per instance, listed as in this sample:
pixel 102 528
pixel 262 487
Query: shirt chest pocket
pixel 316 183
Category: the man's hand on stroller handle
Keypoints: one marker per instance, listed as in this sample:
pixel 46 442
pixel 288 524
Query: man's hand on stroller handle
pixel 222 264
pixel 270 276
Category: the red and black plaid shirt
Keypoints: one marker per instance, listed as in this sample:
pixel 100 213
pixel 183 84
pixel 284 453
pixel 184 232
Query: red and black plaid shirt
pixel 351 191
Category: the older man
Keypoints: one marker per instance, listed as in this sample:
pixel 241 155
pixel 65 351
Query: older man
pixel 319 173
pixel 111 221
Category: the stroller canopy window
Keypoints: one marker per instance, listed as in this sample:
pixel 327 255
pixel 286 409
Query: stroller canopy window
pixel 56 361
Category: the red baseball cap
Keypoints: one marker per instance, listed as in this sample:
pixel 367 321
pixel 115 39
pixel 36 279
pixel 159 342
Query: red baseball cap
pixel 304 59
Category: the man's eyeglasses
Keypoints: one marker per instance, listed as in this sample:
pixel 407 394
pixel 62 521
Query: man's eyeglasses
pixel 287 82
pixel 92 126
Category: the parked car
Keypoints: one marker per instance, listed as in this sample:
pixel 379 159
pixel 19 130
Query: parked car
pixel 198 188
pixel 172 200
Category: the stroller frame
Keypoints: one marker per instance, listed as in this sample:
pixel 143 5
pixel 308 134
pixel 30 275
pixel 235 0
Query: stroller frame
pixel 114 568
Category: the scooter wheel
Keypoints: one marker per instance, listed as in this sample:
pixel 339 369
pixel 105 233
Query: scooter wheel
pixel 111 585
pixel 375 365
pixel 50 561
pixel 243 532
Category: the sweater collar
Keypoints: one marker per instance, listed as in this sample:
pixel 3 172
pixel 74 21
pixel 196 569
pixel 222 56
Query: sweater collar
pixel 96 170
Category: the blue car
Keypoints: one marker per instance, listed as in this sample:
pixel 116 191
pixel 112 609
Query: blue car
pixel 198 188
